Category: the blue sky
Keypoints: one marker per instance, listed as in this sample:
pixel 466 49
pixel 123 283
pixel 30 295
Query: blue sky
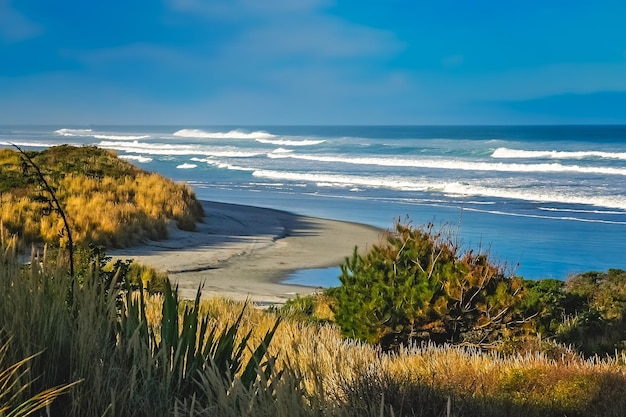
pixel 246 62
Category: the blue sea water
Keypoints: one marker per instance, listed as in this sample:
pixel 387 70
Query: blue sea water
pixel 548 201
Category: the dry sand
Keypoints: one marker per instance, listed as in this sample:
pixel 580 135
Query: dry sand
pixel 244 252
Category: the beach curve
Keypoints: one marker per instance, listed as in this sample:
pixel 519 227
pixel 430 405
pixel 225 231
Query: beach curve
pixel 244 252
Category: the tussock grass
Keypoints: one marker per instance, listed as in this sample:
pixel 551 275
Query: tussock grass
pixel 342 377
pixel 108 201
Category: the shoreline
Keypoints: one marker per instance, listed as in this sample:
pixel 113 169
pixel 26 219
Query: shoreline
pixel 244 252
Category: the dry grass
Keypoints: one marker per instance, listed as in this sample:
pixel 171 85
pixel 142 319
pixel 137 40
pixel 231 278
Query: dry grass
pixel 115 210
pixel 83 339
pixel 415 379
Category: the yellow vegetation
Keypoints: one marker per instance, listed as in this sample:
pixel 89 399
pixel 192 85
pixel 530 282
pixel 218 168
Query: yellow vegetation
pixel 113 211
pixel 328 363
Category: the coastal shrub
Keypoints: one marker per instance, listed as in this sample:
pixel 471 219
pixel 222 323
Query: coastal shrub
pixel 314 308
pixel 587 312
pixel 548 303
pixel 418 285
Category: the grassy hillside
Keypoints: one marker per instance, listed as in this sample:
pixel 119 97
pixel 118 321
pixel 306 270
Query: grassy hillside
pixel 107 200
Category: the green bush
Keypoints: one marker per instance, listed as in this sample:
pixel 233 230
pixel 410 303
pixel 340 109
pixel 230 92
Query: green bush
pixel 418 285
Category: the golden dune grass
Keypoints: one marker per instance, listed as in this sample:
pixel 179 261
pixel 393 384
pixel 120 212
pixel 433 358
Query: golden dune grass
pixel 329 363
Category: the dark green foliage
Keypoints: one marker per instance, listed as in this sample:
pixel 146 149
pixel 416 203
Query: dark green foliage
pixel 89 161
pixel 588 311
pixel 186 350
pixel 59 161
pixel 418 286
pixel 549 305
pixel 605 291
pixel 599 324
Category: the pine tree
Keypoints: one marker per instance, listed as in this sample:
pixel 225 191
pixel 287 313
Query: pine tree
pixel 417 285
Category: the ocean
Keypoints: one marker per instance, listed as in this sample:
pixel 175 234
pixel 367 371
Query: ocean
pixel 546 201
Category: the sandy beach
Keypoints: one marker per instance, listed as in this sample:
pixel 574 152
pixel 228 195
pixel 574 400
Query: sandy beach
pixel 244 252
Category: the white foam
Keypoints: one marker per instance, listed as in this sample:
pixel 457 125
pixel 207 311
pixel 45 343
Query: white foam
pixel 90 133
pixel 535 194
pixel 31 144
pixel 279 151
pixel 233 134
pixel 138 158
pixel 170 149
pixel 504 153
pixel 150 148
pixel 538 216
pixel 454 164
pixel 286 142
pixel 453 188
pixel 567 210
pixel 186 166
pixel 73 132
pixel 120 137
pixel 225 165
pixel 344 180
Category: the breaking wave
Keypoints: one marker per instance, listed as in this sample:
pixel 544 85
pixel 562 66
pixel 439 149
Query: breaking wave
pixel 186 166
pixel 453 164
pixel 138 158
pixel 505 153
pixel 454 188
pixel 233 134
pixel 287 142
pixel 96 135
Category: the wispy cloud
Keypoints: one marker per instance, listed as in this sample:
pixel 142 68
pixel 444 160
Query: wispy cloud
pixel 530 82
pixel 453 61
pixel 239 9
pixel 14 26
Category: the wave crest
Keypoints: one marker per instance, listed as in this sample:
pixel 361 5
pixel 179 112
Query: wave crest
pixel 138 158
pixel 453 164
pixel 504 153
pixel 169 149
pixel 73 132
pixel 186 166
pixel 455 188
pixel 233 134
pixel 91 133
pixel 287 142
